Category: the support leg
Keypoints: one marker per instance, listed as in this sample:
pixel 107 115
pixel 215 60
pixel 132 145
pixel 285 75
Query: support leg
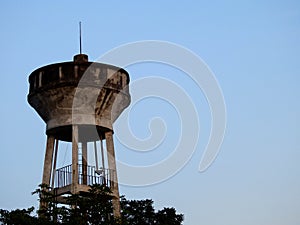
pixel 48 160
pixel 54 163
pixel 113 172
pixel 74 159
pixel 47 169
pixel 84 162
pixel 103 164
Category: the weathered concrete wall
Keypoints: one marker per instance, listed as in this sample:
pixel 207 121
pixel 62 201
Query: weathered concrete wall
pixel 81 93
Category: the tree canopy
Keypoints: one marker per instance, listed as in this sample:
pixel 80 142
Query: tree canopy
pixel 93 209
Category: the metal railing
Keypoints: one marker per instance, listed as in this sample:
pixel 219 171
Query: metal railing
pixel 87 175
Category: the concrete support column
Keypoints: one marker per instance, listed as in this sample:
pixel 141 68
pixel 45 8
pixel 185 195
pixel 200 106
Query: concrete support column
pixel 54 163
pixel 48 160
pixel 84 162
pixel 103 163
pixel 47 168
pixel 74 159
pixel 113 172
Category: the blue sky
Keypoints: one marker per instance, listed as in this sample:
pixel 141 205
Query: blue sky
pixel 251 46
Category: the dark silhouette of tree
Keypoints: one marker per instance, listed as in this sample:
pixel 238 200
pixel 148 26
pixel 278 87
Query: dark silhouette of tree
pixel 95 208
pixel 17 216
pixel 141 212
pixel 22 217
pixel 168 216
pixel 48 210
pixel 137 212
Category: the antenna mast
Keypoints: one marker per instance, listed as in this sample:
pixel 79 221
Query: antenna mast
pixel 80 46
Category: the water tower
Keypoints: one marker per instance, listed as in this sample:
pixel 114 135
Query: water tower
pixel 79 102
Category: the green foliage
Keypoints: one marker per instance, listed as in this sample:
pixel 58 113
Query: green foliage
pixel 141 212
pixel 48 208
pixel 18 216
pixel 137 212
pixel 99 206
pixel 168 216
pixel 22 217
pixel 95 208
